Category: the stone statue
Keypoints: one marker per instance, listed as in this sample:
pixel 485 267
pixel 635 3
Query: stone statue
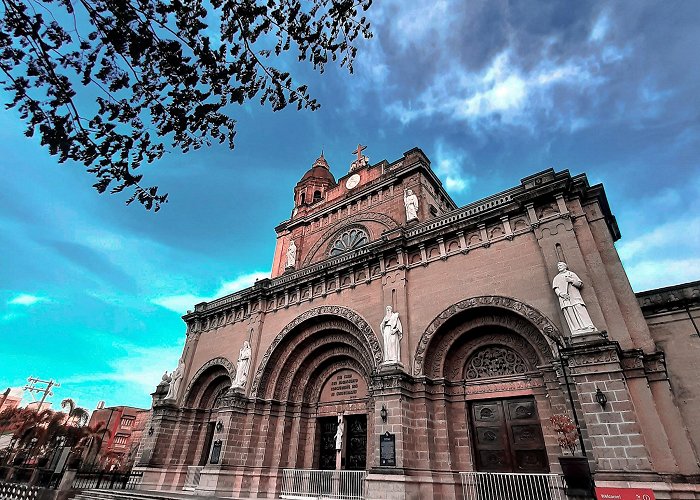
pixel 566 285
pixel 176 381
pixel 392 332
pixel 242 366
pixel 339 434
pixel 410 200
pixel 291 254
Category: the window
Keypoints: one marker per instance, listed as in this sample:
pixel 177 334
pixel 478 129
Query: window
pixel 303 198
pixel 120 440
pixel 349 240
pixel 317 196
pixel 127 421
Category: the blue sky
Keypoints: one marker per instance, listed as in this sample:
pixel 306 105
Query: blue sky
pixel 91 291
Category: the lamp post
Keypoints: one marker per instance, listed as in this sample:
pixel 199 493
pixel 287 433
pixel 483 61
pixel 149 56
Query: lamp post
pixel 564 365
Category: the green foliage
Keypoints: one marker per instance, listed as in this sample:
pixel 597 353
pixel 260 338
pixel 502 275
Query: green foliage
pixel 108 84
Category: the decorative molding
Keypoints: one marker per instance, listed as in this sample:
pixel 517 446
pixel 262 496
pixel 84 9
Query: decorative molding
pixel 354 318
pixel 543 324
pixel 494 361
pixel 507 386
pixel 522 337
pixel 220 361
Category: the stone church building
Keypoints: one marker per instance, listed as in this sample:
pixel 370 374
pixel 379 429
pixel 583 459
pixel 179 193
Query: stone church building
pixel 449 334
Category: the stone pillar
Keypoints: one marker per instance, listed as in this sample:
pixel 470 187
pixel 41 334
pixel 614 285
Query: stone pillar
pixel 388 481
pixel 615 431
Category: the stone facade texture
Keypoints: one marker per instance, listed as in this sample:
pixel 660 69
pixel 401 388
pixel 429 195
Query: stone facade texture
pixel 472 285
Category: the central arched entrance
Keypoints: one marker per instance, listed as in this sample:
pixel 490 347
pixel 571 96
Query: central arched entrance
pixel 317 373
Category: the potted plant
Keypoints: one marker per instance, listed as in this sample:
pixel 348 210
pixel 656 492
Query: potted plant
pixel 576 470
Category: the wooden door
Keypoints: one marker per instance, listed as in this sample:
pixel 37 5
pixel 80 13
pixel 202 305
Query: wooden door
pixel 507 436
pixel 327 427
pixel 356 454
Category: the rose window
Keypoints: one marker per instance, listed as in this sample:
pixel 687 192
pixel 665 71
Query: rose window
pixel 349 240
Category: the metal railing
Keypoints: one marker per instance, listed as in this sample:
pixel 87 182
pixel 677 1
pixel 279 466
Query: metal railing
pixel 511 486
pixel 303 484
pixel 107 480
pixel 194 473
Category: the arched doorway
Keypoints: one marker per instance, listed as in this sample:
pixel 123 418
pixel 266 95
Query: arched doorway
pixel 493 358
pixel 315 374
pixel 202 401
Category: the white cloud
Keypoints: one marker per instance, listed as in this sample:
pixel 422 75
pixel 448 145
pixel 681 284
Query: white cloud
pixel 449 167
pixel 600 28
pixel 25 299
pixel 421 21
pixel 182 302
pixel 140 369
pixel 649 274
pixel 665 235
pixel 502 92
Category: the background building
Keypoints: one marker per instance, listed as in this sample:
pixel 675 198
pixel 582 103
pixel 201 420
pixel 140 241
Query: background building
pixel 122 428
pixel 267 373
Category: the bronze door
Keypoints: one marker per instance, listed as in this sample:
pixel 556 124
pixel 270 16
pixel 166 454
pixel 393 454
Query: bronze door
pixel 507 436
pixel 327 427
pixel 356 455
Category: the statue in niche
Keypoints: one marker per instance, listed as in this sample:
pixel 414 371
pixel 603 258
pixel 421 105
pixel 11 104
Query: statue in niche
pixel 566 285
pixel 242 366
pixel 291 254
pixel 339 434
pixel 410 200
pixel 176 380
pixel 392 333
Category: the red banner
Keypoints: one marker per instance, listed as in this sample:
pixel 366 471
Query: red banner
pixel 624 494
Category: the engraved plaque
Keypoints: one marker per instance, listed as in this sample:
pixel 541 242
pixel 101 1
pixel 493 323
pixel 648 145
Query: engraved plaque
pixel 387 449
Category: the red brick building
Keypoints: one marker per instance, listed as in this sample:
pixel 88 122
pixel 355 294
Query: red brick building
pixel 123 429
pixel 474 372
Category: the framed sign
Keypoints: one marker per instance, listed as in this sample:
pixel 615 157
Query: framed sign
pixel 215 452
pixel 624 494
pixel 387 449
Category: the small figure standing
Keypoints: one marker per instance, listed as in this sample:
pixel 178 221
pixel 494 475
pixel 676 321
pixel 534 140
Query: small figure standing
pixel 410 200
pixel 291 254
pixel 339 434
pixel 566 285
pixel 242 366
pixel 392 332
pixel 176 380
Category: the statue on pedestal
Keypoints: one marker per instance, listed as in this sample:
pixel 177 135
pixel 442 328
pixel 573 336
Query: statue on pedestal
pixel 176 381
pixel 242 366
pixel 392 333
pixel 566 285
pixel 291 255
pixel 410 201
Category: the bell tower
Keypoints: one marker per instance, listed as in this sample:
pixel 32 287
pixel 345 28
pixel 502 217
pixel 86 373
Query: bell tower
pixel 312 187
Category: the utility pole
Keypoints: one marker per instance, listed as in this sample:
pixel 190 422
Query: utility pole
pixel 32 388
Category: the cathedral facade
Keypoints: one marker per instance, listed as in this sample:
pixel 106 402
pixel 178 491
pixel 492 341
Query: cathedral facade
pixel 454 334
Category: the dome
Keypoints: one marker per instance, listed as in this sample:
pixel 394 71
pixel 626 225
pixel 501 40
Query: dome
pixel 319 170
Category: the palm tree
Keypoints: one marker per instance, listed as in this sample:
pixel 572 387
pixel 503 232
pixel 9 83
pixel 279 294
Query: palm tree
pixel 92 441
pixel 76 415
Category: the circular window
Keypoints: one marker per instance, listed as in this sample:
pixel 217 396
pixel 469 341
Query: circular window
pixel 349 240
